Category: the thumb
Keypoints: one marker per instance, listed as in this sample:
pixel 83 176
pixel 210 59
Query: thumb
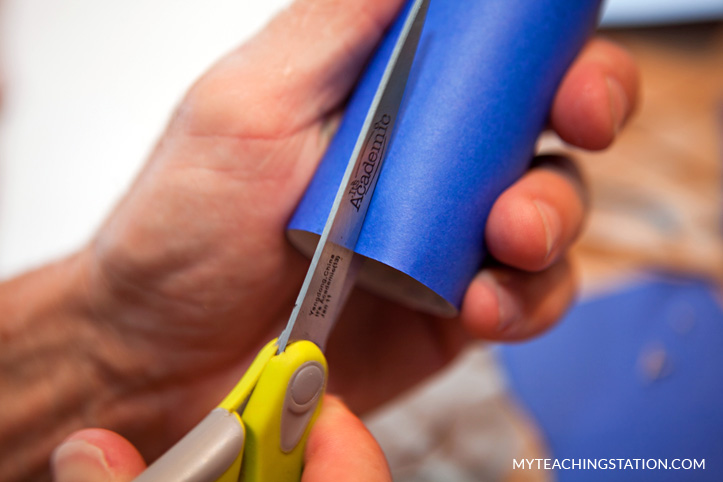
pixel 341 449
pixel 96 455
pixel 300 67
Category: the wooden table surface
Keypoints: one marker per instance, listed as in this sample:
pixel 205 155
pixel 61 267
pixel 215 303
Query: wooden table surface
pixel 657 194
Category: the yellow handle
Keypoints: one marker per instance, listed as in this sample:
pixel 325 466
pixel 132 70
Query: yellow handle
pixel 278 397
pixel 238 396
pixel 280 412
pixel 243 389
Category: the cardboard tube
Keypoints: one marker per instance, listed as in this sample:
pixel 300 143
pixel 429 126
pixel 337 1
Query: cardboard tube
pixel 478 96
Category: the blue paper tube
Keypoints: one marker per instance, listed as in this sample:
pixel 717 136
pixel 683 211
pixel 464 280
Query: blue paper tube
pixel 478 96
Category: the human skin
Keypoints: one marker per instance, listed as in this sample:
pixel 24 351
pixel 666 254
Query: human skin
pixel 339 449
pixel 145 328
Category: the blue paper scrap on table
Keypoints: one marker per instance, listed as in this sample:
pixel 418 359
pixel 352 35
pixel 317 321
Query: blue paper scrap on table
pixel 478 96
pixel 634 375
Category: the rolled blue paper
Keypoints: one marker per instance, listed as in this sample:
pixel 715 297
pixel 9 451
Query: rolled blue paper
pixel 477 98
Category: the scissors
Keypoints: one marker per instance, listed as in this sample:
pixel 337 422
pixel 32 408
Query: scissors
pixel 259 431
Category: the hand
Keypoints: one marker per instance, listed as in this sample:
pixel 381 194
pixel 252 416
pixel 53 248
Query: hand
pixel 339 449
pixel 192 272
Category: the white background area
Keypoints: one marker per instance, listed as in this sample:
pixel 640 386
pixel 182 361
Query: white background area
pixel 88 86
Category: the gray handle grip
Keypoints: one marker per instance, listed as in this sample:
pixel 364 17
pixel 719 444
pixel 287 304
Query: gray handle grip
pixel 203 455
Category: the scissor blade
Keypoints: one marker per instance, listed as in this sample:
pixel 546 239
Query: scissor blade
pixel 334 266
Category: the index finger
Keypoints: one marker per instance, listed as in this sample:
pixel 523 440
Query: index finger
pixel 597 96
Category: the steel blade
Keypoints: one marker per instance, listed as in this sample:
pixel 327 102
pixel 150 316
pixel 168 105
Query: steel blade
pixel 333 266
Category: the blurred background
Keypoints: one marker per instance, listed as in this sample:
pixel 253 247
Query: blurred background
pixel 635 371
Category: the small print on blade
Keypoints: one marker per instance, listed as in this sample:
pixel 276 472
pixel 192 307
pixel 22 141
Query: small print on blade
pixel 323 297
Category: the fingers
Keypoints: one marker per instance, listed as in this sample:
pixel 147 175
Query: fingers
pixel 95 455
pixel 529 229
pixel 341 449
pixel 300 67
pixel 535 220
pixel 504 304
pixel 596 97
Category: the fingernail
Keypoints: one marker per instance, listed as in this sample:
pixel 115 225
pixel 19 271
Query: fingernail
pixel 618 103
pixel 80 461
pixel 508 308
pixel 552 224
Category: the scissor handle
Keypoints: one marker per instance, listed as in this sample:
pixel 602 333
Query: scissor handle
pixel 279 397
pixel 280 412
pixel 210 452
